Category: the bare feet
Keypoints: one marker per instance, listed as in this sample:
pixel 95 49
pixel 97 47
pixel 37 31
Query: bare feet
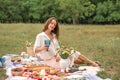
pixel 99 64
pixel 96 64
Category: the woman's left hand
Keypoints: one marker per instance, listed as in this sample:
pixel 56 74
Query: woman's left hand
pixel 57 58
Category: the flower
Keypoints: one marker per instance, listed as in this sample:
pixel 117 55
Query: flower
pixel 64 52
pixel 28 44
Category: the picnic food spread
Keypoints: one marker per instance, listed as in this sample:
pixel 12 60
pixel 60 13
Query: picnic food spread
pixel 29 68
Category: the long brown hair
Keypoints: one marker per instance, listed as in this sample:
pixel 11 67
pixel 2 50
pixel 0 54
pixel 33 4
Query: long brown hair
pixel 56 30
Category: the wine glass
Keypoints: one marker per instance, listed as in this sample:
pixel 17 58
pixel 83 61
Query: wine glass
pixel 47 43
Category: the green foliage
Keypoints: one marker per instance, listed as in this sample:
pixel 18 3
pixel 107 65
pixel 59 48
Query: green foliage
pixel 75 10
pixel 107 12
pixel 66 11
pixel 102 74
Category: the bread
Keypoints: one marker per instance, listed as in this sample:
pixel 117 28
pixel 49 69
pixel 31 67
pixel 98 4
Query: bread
pixel 17 71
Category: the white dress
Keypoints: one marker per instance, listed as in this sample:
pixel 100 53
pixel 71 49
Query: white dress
pixel 47 56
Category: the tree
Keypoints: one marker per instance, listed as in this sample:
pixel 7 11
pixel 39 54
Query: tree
pixel 107 12
pixel 76 8
pixel 40 10
pixel 3 14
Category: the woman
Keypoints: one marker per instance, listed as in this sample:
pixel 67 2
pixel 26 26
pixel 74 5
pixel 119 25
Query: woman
pixel 48 54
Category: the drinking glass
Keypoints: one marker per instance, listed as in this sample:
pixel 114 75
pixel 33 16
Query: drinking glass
pixel 47 43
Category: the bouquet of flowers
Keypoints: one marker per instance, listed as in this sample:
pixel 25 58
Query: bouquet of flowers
pixel 29 48
pixel 64 52
pixel 28 44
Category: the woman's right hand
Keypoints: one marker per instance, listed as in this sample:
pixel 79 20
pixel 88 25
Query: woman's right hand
pixel 44 47
pixel 39 49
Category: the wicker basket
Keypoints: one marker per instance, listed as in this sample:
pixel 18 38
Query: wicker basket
pixel 30 51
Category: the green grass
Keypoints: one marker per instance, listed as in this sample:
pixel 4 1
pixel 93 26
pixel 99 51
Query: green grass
pixel 97 42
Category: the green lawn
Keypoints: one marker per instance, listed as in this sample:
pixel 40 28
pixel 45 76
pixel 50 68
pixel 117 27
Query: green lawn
pixel 97 42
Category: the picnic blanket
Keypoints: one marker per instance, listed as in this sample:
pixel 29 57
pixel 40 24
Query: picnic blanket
pixel 87 72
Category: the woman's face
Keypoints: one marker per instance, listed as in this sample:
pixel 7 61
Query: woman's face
pixel 52 25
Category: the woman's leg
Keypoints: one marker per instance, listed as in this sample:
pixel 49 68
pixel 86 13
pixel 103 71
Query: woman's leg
pixel 81 59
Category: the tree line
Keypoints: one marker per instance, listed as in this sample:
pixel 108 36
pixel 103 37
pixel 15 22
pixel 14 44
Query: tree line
pixel 66 11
